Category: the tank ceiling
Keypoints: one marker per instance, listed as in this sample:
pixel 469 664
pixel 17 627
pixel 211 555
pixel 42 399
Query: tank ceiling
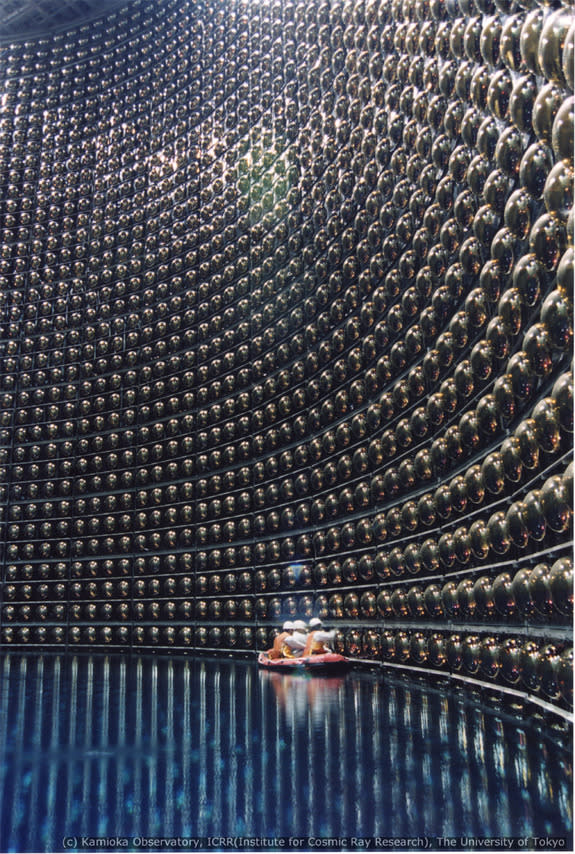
pixel 286 294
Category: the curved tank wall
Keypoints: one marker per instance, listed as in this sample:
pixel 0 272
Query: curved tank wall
pixel 286 294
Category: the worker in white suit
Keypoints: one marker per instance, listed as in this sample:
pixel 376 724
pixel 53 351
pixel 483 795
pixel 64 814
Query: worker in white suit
pixel 297 640
pixel 318 641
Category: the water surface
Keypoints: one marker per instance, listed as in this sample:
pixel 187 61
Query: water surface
pixel 143 747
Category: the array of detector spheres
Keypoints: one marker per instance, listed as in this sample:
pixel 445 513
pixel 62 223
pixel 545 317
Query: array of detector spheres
pixel 286 294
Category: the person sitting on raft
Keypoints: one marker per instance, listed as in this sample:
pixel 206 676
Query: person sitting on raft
pixel 277 650
pixel 318 640
pixel 294 645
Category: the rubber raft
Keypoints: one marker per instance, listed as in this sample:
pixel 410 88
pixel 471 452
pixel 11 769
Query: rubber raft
pixel 329 662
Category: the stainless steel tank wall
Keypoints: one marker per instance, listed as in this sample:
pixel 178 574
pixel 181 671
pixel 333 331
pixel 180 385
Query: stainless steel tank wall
pixel 286 296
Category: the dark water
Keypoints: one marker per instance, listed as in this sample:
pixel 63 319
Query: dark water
pixel 132 748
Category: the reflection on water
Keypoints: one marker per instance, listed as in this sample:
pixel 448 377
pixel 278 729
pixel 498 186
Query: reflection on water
pixel 156 747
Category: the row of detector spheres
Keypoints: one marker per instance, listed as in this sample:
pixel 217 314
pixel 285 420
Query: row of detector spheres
pixel 178 611
pixel 273 507
pixel 218 469
pixel 532 591
pixel 537 344
pixel 507 46
pixel 333 189
pixel 542 512
pixel 433 37
pixel 76 46
pixel 539 668
pixel 542 668
pixel 536 667
pixel 137 635
pixel 248 609
pixel 524 371
pixel 218 28
pixel 515 200
pixel 333 238
pixel 542 432
pixel 356 361
pixel 513 390
pixel 529 519
pixel 551 43
pixel 219 260
pixel 229 637
pixel 473 312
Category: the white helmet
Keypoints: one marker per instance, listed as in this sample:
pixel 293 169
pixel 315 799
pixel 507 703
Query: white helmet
pixel 300 626
pixel 288 626
pixel 315 623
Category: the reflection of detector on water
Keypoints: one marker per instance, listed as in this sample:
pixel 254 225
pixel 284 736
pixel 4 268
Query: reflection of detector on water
pixel 298 695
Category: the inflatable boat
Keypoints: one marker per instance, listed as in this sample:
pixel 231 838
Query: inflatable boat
pixel 329 662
